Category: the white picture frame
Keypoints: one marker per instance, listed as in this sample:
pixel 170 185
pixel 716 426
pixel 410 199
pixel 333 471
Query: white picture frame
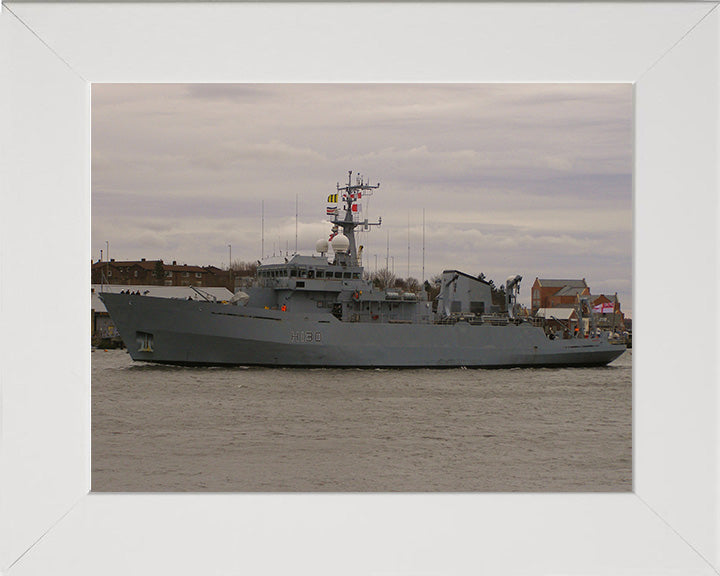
pixel 49 522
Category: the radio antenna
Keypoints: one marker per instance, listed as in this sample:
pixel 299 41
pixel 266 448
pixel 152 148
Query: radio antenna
pixel 262 234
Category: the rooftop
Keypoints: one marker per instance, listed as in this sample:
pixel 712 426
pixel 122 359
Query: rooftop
pixel 151 264
pixel 558 313
pixel 570 291
pixel 554 283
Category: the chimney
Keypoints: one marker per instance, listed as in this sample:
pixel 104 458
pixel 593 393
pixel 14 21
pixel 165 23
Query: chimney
pixel 174 262
pixel 112 259
pixel 142 259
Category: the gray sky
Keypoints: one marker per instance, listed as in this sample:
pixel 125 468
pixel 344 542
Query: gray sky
pixel 530 179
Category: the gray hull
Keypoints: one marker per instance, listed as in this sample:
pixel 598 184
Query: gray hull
pixel 205 333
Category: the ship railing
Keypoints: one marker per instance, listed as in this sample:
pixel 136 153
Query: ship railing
pixel 455 318
pixel 477 319
pixel 494 320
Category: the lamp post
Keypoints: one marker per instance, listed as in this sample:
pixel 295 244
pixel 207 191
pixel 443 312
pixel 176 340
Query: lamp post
pixel 230 274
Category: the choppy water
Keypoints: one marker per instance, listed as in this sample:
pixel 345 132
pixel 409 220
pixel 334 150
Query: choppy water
pixel 158 428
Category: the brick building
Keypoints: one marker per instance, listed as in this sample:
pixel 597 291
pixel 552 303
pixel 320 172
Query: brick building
pixel 564 294
pixel 557 293
pixel 157 273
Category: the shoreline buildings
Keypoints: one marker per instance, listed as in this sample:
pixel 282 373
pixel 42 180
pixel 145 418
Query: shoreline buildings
pixel 566 300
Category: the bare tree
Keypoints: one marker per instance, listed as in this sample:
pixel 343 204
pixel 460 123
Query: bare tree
pixel 412 285
pixel 383 278
pixel 242 268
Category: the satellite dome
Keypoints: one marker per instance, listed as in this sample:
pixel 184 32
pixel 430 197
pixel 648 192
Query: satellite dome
pixel 321 246
pixel 340 243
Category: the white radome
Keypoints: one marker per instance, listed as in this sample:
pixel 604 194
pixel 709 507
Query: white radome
pixel 340 243
pixel 321 246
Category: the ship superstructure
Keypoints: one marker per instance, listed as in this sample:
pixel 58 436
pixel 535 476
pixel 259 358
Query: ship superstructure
pixel 321 310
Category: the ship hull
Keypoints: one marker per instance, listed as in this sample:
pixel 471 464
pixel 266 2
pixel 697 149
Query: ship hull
pixel 185 332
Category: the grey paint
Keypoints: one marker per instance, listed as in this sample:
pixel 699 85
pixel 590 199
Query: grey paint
pixel 186 332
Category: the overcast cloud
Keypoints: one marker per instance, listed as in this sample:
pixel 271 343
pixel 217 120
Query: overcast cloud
pixel 530 179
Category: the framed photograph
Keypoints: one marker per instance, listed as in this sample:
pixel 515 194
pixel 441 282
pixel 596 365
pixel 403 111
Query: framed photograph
pixel 51 54
pixel 509 182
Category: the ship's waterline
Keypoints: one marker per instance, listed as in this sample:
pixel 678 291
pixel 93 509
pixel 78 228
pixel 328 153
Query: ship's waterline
pixel 246 429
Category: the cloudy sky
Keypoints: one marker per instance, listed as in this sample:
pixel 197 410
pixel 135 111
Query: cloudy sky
pixel 530 179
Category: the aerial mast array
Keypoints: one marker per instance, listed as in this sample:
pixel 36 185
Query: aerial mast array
pixel 351 193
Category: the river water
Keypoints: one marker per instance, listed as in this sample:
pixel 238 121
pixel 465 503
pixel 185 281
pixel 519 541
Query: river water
pixel 167 429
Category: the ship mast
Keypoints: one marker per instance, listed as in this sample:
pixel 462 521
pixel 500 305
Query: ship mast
pixel 350 195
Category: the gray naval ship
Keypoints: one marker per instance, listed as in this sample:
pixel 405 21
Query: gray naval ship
pixel 319 310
